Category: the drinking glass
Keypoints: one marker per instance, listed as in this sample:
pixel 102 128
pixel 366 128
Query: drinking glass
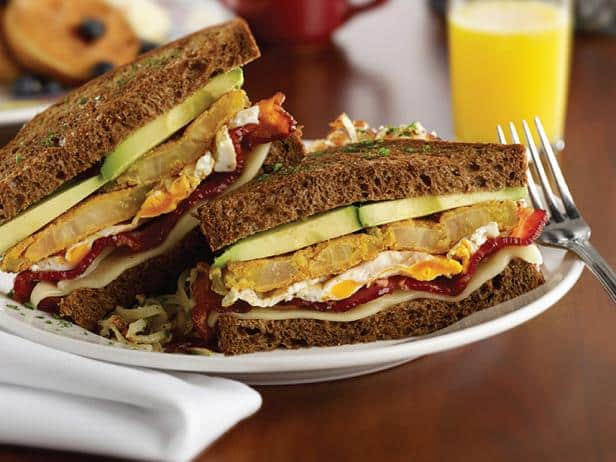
pixel 509 60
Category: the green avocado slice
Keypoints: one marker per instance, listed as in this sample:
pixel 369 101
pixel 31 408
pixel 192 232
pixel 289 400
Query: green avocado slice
pixel 161 128
pixel 380 213
pixel 293 236
pixel 116 162
pixel 45 211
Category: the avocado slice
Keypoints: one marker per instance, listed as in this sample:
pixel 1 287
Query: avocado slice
pixel 293 236
pixel 42 213
pixel 379 213
pixel 159 129
pixel 129 150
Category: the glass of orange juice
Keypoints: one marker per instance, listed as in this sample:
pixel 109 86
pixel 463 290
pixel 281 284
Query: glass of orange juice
pixel 509 60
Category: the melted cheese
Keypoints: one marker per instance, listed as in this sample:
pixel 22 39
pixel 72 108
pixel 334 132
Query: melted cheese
pixel 495 265
pixel 118 262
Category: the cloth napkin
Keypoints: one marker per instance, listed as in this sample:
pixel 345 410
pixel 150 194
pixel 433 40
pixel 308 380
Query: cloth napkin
pixel 58 400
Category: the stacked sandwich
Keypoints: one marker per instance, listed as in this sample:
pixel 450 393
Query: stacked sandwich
pixel 96 192
pixel 378 238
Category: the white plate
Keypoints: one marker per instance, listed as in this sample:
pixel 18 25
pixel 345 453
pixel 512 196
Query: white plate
pixel 186 16
pixel 310 364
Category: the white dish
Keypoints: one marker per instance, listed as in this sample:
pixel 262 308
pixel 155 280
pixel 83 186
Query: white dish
pixel 305 365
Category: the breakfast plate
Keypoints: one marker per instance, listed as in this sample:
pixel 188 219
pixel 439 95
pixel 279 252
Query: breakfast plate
pixel 561 270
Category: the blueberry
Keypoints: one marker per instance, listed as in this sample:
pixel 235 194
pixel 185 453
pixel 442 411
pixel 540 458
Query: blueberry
pixel 91 29
pixel 52 87
pixel 101 68
pixel 146 46
pixel 27 86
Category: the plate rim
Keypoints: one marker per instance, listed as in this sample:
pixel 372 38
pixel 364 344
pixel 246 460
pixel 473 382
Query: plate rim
pixel 301 360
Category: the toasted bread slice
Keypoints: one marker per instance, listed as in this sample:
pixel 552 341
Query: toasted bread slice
pixel 417 317
pixel 75 134
pixel 360 173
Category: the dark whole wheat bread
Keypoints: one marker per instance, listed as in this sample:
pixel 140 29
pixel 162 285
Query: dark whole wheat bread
pixel 360 173
pixel 417 317
pixel 289 151
pixel 159 274
pixel 75 134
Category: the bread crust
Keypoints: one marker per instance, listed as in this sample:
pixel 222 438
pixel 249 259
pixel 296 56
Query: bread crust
pixel 334 178
pixel 416 317
pixel 73 136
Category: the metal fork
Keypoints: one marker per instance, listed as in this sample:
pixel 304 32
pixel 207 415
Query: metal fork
pixel 566 228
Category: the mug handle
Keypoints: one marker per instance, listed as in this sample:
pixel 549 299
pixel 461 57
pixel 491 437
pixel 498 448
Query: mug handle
pixel 356 9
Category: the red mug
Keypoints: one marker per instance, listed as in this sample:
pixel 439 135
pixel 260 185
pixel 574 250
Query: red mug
pixel 297 21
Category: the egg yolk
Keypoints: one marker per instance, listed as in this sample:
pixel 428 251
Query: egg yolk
pixel 344 289
pixel 431 269
pixel 77 252
pixel 167 197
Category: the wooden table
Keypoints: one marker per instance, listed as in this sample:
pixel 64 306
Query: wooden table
pixel 545 391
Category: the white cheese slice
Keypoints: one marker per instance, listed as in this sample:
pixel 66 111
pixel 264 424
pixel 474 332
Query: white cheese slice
pixel 495 265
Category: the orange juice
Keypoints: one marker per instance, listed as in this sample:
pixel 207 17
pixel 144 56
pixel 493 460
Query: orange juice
pixel 509 61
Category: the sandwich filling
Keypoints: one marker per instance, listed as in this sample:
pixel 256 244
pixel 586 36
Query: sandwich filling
pixel 136 213
pixel 439 254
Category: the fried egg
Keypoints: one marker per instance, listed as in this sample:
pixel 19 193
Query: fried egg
pixel 420 266
pixel 417 265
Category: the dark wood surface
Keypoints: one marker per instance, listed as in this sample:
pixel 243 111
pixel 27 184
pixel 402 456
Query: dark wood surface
pixel 545 391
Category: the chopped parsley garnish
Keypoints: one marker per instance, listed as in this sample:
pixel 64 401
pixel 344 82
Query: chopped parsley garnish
pixel 48 322
pixel 383 152
pixel 277 166
pixel 410 149
pixel 401 131
pixel 10 305
pixel 18 158
pixel 29 305
pixel 51 140
pixel 83 100
pixel 40 317
pixel 287 171
pixel 426 148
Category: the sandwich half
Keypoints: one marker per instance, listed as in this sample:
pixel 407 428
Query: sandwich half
pixel 97 192
pixel 370 238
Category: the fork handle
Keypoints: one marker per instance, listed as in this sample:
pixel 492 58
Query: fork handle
pixel 597 265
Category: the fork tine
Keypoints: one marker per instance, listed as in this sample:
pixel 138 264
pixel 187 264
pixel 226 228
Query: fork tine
pixel 545 184
pixel 535 195
pixel 501 135
pixel 557 173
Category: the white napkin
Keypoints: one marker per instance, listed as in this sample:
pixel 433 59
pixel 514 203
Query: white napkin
pixel 57 400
